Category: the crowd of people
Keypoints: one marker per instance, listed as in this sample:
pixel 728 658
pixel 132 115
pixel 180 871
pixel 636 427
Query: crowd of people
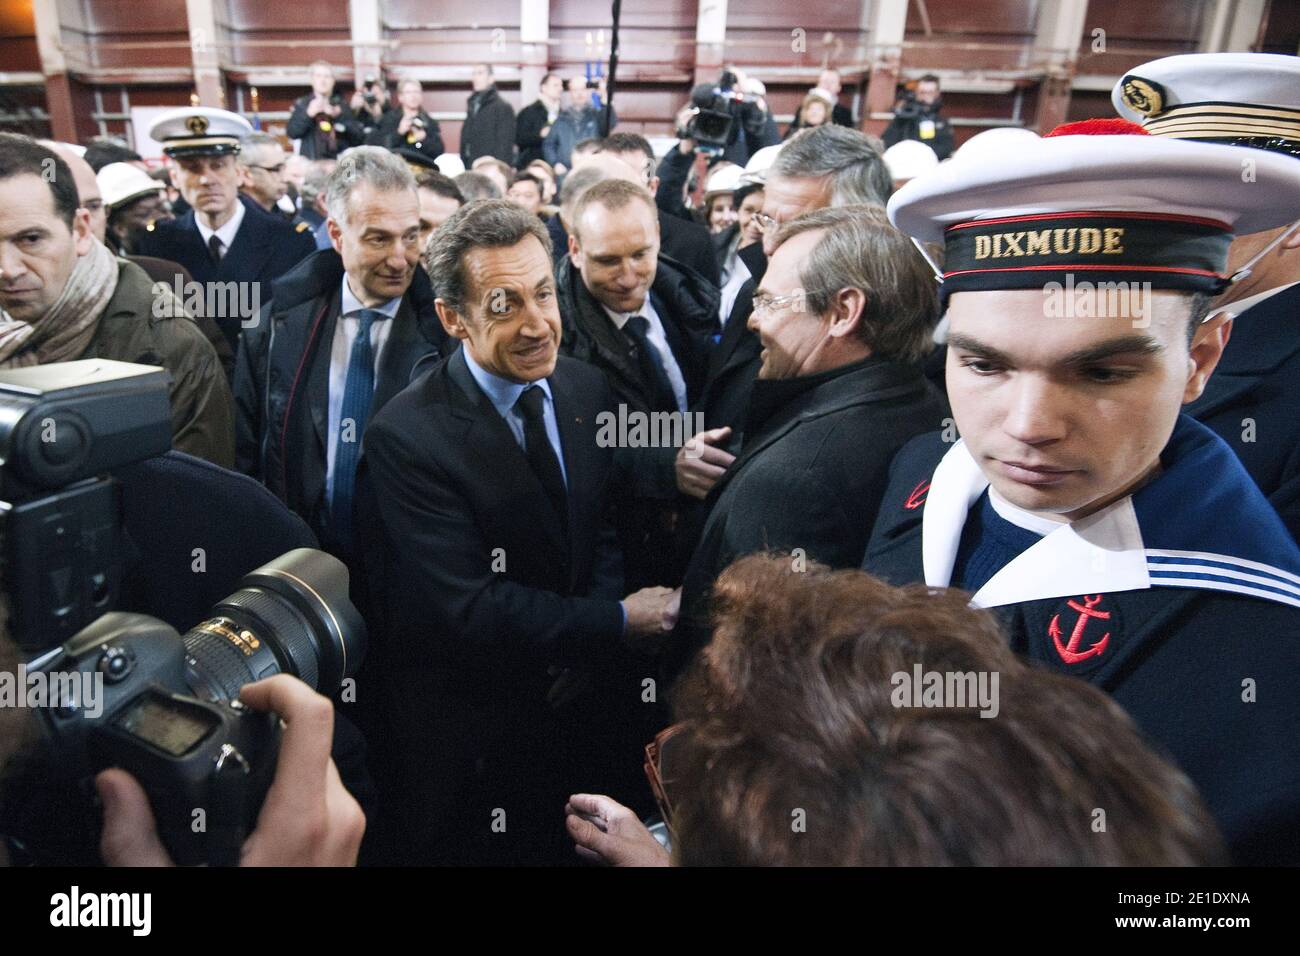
pixel 725 449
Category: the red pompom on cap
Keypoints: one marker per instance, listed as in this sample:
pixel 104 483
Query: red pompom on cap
pixel 1108 126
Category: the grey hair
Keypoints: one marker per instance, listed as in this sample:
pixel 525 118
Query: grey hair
pixel 474 185
pixel 860 249
pixel 855 168
pixel 314 182
pixel 483 224
pixel 254 142
pixel 374 165
pixel 575 184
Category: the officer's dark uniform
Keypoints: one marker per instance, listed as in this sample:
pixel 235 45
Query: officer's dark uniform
pixel 265 248
pixel 1253 399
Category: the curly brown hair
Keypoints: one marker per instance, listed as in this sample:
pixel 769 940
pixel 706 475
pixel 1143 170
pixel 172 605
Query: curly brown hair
pixel 794 751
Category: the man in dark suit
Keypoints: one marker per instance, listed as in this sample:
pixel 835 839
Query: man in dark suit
pixel 494 575
pixel 845 309
pixel 1252 401
pixel 648 324
pixel 682 239
pixel 230 245
pixel 533 124
pixel 306 379
pixel 321 120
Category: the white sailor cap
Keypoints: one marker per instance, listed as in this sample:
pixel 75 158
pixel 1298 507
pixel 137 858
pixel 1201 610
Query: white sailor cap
pixel 451 164
pixel 1134 208
pixel 909 158
pixel 119 183
pixel 1243 99
pixel 199 131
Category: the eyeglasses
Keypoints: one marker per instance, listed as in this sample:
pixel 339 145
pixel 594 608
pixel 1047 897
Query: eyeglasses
pixel 764 221
pixel 655 752
pixel 767 304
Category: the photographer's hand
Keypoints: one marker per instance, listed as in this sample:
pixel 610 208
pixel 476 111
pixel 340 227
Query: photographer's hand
pixel 308 819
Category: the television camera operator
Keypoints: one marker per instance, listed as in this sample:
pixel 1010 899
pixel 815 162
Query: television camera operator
pixel 723 122
pixel 163 732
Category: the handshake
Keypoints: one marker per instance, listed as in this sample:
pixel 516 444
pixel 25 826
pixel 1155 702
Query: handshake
pixel 651 616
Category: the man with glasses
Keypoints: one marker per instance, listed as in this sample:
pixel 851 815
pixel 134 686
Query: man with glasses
pixel 261 162
pixel 844 311
pixel 817 168
pixel 223 239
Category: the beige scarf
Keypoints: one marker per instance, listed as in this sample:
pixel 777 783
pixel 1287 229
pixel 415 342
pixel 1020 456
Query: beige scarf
pixel 63 332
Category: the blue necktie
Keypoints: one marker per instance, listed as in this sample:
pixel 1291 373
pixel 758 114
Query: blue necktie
pixel 358 390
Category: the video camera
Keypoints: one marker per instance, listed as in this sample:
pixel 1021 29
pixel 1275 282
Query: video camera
pixel 719 112
pixel 168 709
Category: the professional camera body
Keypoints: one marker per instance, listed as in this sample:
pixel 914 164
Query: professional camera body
pixel 133 693
pixel 719 113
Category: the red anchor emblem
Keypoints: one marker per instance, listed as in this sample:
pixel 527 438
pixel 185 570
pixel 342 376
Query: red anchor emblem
pixel 918 496
pixel 1070 652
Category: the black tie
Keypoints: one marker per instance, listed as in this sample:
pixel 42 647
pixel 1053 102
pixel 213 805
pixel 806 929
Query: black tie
pixel 662 398
pixel 215 246
pixel 541 456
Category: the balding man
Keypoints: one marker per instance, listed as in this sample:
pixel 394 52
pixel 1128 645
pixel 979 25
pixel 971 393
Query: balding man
pixel 647 323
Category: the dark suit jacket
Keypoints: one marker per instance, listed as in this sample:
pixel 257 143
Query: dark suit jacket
pixel 690 244
pixel 811 475
pixel 1252 401
pixel 475 589
pixel 282 379
pixel 265 248
pixel 530 122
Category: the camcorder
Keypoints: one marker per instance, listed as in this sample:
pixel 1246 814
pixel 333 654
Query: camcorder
pixel 719 113
pixel 168 710
pixel 368 90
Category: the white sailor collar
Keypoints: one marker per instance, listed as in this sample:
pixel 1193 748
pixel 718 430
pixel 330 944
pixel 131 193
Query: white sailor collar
pixel 1145 540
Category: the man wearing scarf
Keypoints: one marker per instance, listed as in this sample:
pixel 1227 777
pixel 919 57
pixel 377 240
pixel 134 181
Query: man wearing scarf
pixel 65 296
pixel 1119 540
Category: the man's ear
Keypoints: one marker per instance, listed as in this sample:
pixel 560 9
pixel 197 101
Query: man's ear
pixel 1207 347
pixel 451 319
pixel 82 237
pixel 847 308
pixel 653 185
pixel 335 232
pixel 1292 241
pixel 574 249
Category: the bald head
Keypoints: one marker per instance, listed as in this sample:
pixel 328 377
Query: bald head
pixel 595 168
pixel 87 186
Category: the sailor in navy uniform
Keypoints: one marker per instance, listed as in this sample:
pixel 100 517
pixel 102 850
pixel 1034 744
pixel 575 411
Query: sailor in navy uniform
pixel 1118 539
pixel 1253 399
pixel 224 238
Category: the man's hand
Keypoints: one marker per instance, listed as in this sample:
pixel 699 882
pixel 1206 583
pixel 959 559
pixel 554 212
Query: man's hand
pixel 700 463
pixel 317 106
pixel 308 819
pixel 608 832
pixel 686 146
pixel 647 617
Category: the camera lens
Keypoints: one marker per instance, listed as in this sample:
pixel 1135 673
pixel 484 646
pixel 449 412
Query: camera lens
pixel 290 616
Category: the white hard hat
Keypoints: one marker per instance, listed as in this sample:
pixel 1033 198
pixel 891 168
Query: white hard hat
pixel 119 183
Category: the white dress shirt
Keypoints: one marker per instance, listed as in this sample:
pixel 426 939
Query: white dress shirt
pixel 345 334
pixel 226 233
pixel 659 339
